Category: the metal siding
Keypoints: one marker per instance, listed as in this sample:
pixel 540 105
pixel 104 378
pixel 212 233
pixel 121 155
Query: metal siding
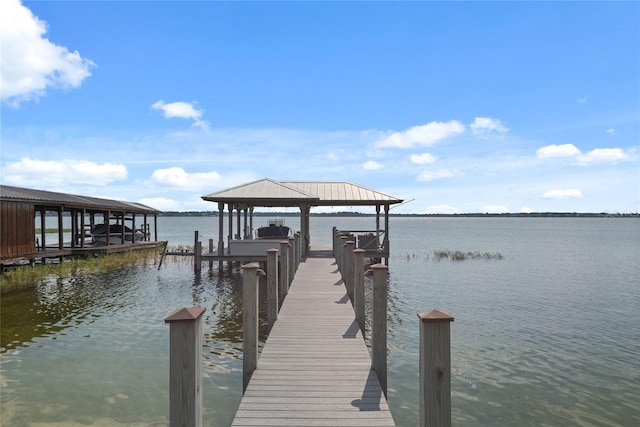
pixel 17 229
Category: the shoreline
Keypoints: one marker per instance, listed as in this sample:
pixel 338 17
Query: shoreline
pixel 410 215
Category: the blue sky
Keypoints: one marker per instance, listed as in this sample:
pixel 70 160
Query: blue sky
pixel 457 106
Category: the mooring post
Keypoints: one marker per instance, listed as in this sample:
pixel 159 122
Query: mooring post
pixel 185 367
pixel 284 270
pixel 272 287
pixel 358 288
pixel 197 250
pixel 342 244
pixel 210 253
pixel 296 251
pixel 339 243
pixel 333 241
pixel 349 268
pixel 379 324
pixel 249 322
pixel 435 368
pixel 292 267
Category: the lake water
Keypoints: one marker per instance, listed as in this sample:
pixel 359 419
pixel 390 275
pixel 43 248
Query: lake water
pixel 549 335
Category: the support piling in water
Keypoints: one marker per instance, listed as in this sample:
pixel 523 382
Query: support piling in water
pixel 435 368
pixel 197 251
pixel 379 324
pixel 272 287
pixel 249 322
pixel 185 367
pixel 358 289
pixel 349 268
pixel 292 259
pixel 283 265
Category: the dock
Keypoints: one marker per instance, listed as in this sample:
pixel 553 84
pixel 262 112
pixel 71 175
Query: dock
pixel 315 368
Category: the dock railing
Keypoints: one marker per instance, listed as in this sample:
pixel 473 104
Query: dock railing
pixel 435 342
pixel 374 242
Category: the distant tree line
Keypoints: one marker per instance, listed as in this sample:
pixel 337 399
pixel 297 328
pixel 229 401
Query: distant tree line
pixel 460 215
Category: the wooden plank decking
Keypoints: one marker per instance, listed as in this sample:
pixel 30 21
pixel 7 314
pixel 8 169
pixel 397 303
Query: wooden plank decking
pixel 315 369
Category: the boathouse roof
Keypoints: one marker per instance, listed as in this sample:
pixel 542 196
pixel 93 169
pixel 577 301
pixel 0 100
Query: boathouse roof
pixel 270 193
pixel 70 201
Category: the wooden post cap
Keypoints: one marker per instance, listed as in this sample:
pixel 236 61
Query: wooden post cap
pixel 379 266
pixel 186 314
pixel 359 251
pixel 434 315
pixel 250 266
pixel 272 250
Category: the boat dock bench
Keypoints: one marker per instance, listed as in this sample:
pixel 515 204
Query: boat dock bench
pixel 315 368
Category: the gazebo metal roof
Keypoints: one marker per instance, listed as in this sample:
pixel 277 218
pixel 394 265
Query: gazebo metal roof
pixel 270 193
pixel 70 201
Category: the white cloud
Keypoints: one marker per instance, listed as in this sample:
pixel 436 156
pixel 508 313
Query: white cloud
pixel 31 63
pixel 442 209
pixel 423 135
pixel 33 172
pixel 495 209
pixel 437 174
pixel 526 209
pixel 162 203
pixel 372 165
pixel 597 155
pixel 582 100
pixel 486 126
pixel 563 194
pixel 605 155
pixel 423 159
pixel 178 178
pixel 182 110
pixel 611 131
pixel 564 150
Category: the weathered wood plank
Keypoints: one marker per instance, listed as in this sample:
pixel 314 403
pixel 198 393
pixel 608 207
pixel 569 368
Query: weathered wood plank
pixel 313 423
pixel 308 414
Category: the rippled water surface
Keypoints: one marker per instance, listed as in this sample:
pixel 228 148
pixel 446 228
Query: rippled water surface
pixel 549 335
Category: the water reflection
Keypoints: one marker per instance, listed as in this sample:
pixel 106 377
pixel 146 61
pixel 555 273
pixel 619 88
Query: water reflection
pixel 105 338
pixel 46 310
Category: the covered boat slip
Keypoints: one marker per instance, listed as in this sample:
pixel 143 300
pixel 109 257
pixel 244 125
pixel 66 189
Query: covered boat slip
pixel 304 195
pixel 93 225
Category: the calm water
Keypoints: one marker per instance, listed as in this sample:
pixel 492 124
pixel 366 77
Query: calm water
pixel 547 336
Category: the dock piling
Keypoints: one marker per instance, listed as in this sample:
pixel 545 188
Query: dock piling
pixel 358 288
pixel 435 368
pixel 249 322
pixel 342 245
pixel 292 259
pixel 283 277
pixel 349 268
pixel 272 287
pixel 379 324
pixel 185 367
pixel 197 251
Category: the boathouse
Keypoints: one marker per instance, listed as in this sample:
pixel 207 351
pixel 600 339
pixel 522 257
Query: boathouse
pixel 303 195
pixel 23 210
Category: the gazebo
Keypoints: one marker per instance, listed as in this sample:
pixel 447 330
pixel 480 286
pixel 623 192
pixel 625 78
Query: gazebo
pixel 301 194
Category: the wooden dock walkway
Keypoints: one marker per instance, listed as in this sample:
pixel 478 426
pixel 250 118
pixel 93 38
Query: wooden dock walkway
pixel 315 369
